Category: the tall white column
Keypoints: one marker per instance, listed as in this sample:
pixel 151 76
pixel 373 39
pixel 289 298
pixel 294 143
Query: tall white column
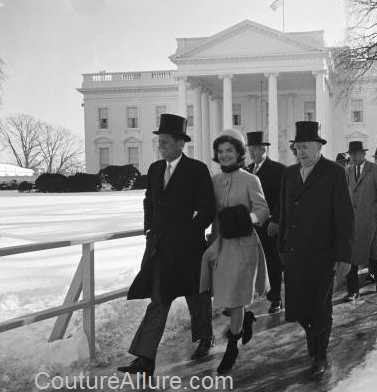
pixel 273 130
pixel 227 101
pixel 182 96
pixel 252 119
pixel 206 152
pixel 320 101
pixel 198 124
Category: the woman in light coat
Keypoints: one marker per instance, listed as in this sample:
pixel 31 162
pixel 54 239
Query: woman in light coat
pixel 233 269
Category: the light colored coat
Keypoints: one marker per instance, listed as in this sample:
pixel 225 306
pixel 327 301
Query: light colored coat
pixel 233 269
pixel 364 200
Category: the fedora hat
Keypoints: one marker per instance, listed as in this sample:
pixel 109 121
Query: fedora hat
pixel 171 124
pixel 257 139
pixel 307 131
pixel 355 146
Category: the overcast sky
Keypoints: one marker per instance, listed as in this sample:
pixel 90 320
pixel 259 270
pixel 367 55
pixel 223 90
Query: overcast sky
pixel 48 44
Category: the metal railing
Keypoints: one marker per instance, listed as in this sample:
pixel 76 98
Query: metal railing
pixel 83 282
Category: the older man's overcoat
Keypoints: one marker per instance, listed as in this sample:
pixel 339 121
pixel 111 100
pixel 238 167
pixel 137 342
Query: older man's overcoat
pixel 316 230
pixel 364 200
pixel 177 217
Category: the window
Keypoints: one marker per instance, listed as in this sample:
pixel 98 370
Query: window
pixel 190 115
pixel 104 157
pixel 133 156
pixel 132 118
pixel 103 118
pixel 190 151
pixel 159 110
pixel 309 111
pixel 357 110
pixel 237 115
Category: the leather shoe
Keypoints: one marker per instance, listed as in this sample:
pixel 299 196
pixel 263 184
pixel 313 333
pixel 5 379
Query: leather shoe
pixel 275 307
pixel 203 348
pixel 319 368
pixel 139 365
pixel 247 328
pixel 351 297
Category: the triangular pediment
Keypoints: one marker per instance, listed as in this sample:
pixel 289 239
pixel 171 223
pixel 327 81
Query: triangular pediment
pixel 246 39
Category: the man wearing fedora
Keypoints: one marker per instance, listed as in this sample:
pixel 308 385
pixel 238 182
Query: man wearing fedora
pixel 270 173
pixel 179 205
pixel 362 183
pixel 315 238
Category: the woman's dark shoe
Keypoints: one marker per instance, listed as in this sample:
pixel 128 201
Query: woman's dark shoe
pixel 230 354
pixel 248 320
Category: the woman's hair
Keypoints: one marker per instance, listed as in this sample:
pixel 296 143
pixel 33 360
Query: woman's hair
pixel 238 145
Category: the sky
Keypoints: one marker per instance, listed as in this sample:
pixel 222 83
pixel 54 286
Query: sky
pixel 47 44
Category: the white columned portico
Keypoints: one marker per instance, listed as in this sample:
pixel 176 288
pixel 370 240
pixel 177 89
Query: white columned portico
pixel 197 123
pixel 320 100
pixel 227 101
pixel 206 153
pixel 273 130
pixel 182 96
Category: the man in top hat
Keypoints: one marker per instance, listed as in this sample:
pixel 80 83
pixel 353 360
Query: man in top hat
pixel 315 237
pixel 270 174
pixel 179 205
pixel 362 183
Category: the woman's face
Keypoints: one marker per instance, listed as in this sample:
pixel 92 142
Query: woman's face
pixel 227 154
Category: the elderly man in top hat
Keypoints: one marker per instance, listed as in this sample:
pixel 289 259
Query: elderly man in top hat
pixel 362 183
pixel 315 238
pixel 179 205
pixel 270 173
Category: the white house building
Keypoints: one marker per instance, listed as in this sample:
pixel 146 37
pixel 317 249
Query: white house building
pixel 248 76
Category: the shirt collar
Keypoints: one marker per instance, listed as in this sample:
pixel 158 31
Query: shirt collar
pixel 173 164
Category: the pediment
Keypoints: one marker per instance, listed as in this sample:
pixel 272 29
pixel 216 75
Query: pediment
pixel 247 39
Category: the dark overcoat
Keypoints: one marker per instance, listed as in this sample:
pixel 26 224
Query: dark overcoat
pixel 177 217
pixel 270 175
pixel 363 194
pixel 316 231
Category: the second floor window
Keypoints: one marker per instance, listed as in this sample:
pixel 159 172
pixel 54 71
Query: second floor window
pixel 190 115
pixel 309 111
pixel 357 110
pixel 103 118
pixel 237 115
pixel 132 117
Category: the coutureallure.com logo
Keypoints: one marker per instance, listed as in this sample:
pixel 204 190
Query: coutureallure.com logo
pixel 45 382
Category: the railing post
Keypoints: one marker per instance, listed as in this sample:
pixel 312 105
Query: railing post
pixel 89 295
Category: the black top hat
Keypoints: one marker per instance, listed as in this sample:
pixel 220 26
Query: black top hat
pixel 257 139
pixel 173 125
pixel 341 157
pixel 307 131
pixel 356 146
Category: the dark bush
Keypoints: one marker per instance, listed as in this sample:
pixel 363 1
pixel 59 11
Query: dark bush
pixel 48 182
pixel 140 182
pixel 83 182
pixel 119 177
pixel 25 186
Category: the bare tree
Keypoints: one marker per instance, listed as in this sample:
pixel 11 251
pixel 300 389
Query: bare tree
pixel 358 57
pixel 19 135
pixel 61 151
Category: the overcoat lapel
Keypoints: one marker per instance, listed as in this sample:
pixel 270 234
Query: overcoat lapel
pixel 362 176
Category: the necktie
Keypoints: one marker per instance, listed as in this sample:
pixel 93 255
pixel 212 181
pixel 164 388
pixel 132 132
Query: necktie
pixel 256 166
pixel 167 174
pixel 357 172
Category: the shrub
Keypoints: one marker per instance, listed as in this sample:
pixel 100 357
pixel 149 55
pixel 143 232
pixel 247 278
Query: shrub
pixel 119 177
pixel 25 186
pixel 49 182
pixel 140 182
pixel 83 182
